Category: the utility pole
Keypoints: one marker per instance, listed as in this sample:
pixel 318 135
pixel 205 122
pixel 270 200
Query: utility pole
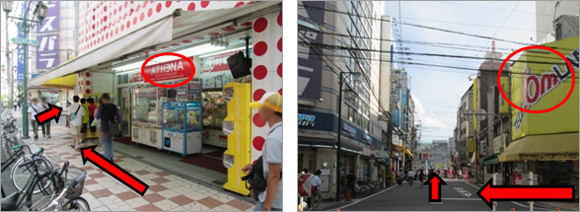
pixel 7 9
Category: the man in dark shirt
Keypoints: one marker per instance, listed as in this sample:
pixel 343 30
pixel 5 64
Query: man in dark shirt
pixel 350 181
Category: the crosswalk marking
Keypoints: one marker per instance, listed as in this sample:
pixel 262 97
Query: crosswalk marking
pixel 462 191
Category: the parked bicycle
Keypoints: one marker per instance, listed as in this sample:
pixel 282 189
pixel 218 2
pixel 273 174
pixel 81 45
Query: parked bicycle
pixel 19 174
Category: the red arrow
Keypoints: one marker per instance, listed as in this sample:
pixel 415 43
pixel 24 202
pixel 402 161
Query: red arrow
pixel 435 183
pixel 490 193
pixel 89 154
pixel 53 112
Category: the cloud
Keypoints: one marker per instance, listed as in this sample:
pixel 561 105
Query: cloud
pixel 428 119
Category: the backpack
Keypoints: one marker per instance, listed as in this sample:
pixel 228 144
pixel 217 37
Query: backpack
pixel 255 179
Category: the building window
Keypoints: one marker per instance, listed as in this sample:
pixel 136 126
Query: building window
pixel 559 32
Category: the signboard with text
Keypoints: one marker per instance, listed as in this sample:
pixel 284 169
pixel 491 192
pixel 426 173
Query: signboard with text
pixel 47 51
pixel 170 70
pixel 309 57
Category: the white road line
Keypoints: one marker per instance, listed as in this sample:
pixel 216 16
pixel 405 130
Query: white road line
pixel 372 195
pixel 521 205
pixel 461 198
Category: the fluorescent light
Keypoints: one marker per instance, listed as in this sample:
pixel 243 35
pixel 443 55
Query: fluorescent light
pixel 193 51
pixel 130 66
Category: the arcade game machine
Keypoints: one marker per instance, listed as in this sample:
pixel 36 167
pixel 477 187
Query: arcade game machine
pixel 181 127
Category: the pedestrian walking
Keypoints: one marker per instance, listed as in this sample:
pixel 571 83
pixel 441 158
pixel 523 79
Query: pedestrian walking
pixel 85 120
pixel 34 109
pixel 350 181
pixel 45 126
pixel 91 108
pixel 315 190
pixel 421 177
pixel 410 176
pixel 110 119
pixel 270 111
pixel 76 114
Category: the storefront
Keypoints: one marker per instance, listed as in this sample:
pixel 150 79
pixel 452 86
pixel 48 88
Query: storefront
pixel 317 149
pixel 544 145
pixel 113 49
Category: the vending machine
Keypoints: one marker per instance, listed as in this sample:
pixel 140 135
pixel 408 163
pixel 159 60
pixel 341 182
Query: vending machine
pixel 181 127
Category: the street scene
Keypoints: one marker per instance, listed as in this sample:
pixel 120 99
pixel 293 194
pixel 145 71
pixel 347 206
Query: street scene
pixel 141 105
pixel 432 105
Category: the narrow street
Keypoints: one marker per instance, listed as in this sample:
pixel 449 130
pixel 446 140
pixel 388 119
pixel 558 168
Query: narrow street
pixel 456 196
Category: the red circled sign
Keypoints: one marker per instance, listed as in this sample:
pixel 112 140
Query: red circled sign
pixel 168 54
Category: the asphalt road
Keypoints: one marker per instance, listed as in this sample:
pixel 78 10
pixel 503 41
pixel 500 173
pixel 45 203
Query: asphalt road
pixel 456 196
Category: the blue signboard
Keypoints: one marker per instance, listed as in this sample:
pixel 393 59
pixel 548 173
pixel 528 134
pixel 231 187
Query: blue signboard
pixel 48 47
pixel 20 56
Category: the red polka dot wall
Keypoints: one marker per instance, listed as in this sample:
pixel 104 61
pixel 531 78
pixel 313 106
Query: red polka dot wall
pixel 266 70
pixel 114 19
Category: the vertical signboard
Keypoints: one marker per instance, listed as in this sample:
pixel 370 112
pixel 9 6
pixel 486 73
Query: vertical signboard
pixel 48 39
pixel 309 56
pixel 20 60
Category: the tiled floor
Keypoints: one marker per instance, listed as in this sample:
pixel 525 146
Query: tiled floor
pixel 166 191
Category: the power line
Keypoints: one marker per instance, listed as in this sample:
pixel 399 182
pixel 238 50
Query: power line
pixel 421 26
pixel 427 54
pixel 435 65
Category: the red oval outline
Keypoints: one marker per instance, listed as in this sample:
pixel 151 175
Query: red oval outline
pixel 528 110
pixel 167 54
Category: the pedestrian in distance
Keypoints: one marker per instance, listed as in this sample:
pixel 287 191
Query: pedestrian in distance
pixel 111 121
pixel 34 109
pixel 85 123
pixel 45 126
pixel 421 177
pixel 410 176
pixel 76 114
pixel 270 111
pixel 350 181
pixel 316 195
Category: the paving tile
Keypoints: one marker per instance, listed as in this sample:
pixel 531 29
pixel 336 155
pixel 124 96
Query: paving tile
pixel 152 198
pixel 97 175
pixel 157 188
pixel 181 200
pixel 142 172
pixel 160 180
pixel 166 204
pixel 127 195
pixel 240 205
pixel 162 173
pixel 149 207
pixel 101 193
pixel 210 202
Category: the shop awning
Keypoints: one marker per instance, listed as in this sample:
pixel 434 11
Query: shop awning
pixel 147 36
pixel 490 160
pixel 68 81
pixel 553 147
pixel 403 149
pixel 163 32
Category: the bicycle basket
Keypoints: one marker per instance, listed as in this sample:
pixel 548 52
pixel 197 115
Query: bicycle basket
pixel 79 175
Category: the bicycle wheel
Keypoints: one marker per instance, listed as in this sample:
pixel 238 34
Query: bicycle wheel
pixel 77 204
pixel 20 175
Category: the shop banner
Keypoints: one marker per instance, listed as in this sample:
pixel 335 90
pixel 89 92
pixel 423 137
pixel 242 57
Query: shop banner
pixel 309 58
pixel 217 62
pixel 136 77
pixel 47 51
pixel 51 22
pixel 311 120
pixel 541 83
pixel 176 69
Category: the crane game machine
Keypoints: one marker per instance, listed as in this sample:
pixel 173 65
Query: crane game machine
pixel 181 127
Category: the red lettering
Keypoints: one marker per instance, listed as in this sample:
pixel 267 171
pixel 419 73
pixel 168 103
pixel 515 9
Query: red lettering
pixel 547 83
pixel 535 94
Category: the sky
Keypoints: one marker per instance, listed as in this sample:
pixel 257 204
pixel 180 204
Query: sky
pixel 437 91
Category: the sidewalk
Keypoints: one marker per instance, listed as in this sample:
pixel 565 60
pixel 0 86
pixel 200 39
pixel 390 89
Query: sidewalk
pixel 167 191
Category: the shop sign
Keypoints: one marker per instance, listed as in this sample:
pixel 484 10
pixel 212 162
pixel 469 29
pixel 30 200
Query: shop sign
pixel 171 70
pixel 305 120
pixel 546 81
pixel 499 144
pixel 309 59
pixel 470 145
pixel 518 179
pixel 215 63
pixel 135 77
pixel 51 21
pixel 349 129
pixel 425 156
pixel 20 53
pixel 47 51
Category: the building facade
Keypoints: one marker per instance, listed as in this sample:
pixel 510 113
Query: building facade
pixel 327 39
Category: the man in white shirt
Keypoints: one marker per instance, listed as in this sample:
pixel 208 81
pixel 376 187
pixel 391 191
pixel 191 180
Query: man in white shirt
pixel 76 114
pixel 34 109
pixel 316 195
pixel 45 126
pixel 270 111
